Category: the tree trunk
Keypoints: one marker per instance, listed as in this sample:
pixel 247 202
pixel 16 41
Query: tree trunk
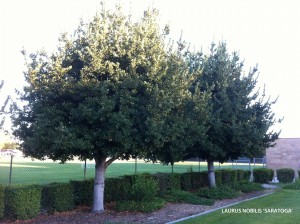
pixel 98 200
pixel 211 174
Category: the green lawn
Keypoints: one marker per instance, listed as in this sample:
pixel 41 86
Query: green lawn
pixel 28 172
pixel 258 211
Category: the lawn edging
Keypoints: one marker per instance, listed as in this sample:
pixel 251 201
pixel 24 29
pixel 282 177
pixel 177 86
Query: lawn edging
pixel 216 209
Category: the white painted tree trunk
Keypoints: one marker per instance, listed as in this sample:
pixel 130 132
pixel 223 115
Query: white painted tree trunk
pixel 99 183
pixel 211 174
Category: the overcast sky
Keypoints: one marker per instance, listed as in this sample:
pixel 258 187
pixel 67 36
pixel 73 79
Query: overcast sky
pixel 266 33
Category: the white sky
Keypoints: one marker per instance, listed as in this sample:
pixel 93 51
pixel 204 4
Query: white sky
pixel 266 33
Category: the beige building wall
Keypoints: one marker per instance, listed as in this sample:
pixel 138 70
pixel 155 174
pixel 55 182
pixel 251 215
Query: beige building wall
pixel 285 154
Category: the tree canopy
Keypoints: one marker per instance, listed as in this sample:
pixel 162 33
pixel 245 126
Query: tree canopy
pixel 116 89
pixel 240 117
pixel 113 90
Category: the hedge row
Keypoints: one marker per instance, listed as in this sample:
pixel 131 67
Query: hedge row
pixel 24 202
pixel 264 175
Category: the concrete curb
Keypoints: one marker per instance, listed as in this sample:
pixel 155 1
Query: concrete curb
pixel 216 209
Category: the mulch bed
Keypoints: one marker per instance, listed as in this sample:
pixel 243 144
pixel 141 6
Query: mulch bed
pixel 170 212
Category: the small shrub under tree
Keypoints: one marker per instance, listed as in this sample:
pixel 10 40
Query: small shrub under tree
pixel 176 196
pixel 221 192
pixel 186 181
pixel 262 175
pixel 57 197
pixel 285 175
pixel 246 186
pixel 22 202
pixel 228 176
pixel 83 191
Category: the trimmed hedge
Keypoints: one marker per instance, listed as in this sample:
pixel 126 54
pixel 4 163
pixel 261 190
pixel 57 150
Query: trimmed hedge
pixel 243 175
pixel 117 189
pixel 167 181
pixel 262 175
pixel 2 189
pixel 285 175
pixel 186 181
pixel 218 177
pixel 143 188
pixel 22 202
pixel 57 197
pixel 174 181
pixel 196 179
pixel 229 176
pixel 83 191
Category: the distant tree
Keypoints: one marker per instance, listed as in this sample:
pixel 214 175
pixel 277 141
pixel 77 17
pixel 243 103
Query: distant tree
pixel 9 145
pixel 2 107
pixel 106 94
pixel 240 118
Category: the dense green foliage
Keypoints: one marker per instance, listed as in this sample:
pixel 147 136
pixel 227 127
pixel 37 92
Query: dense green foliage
pixel 116 89
pixel 243 175
pixel 239 118
pixel 293 186
pixel 57 197
pixel 83 191
pixel 22 202
pixel 177 196
pixel 167 181
pixel 285 175
pixel 245 186
pixel 117 189
pixel 141 206
pixel 113 74
pixel 143 188
pixel 141 192
pixel 221 192
pixel 262 175
pixel 186 181
pixel 2 189
pixel 229 176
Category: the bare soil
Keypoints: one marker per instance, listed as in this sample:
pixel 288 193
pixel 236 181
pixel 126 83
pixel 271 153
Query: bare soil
pixel 170 212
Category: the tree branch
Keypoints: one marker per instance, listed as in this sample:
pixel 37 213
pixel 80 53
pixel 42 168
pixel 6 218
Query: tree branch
pixel 108 162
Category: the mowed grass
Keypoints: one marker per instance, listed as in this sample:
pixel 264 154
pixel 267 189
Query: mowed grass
pixel 40 172
pixel 283 199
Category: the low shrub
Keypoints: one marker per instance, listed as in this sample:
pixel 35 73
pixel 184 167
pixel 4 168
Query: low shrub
pixel 228 176
pixel 218 177
pixel 196 180
pixel 246 186
pixel 22 202
pixel 167 181
pixel 293 186
pixel 199 180
pixel 285 175
pixel 117 189
pixel 247 175
pixel 174 181
pixel 262 175
pixel 186 181
pixel 162 181
pixel 2 189
pixel 243 175
pixel 186 197
pixel 57 197
pixel 222 192
pixel 143 188
pixel 141 206
pixel 83 191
